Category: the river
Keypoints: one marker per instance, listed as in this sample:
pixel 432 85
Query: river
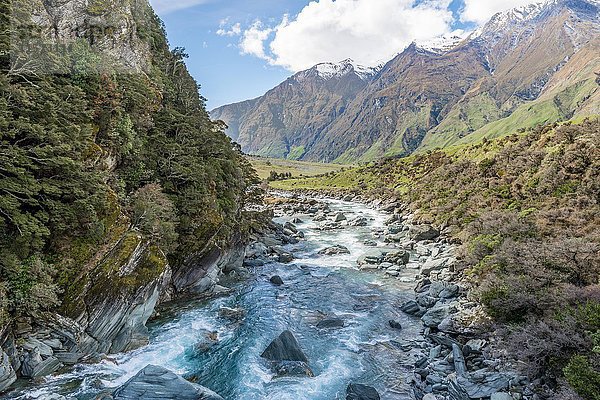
pixel 366 350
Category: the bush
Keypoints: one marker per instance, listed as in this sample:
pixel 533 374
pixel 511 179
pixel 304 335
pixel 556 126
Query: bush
pixel 153 213
pixel 583 378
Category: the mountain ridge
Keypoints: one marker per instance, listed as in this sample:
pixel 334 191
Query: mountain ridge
pixel 509 64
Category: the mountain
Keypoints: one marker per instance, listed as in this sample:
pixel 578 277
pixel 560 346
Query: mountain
pixel 292 117
pixel 530 65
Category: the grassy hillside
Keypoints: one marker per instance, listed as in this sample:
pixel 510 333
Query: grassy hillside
pixel 527 209
pixel 264 166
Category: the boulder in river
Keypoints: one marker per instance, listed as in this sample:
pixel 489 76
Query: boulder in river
pixel 394 324
pixel 276 280
pixel 284 348
pixel 334 250
pixel 356 391
pixel 232 314
pixel 330 323
pixel 157 383
pixel 339 217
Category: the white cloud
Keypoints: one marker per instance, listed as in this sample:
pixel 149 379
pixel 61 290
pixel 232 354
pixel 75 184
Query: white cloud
pixel 167 6
pixel 225 29
pixel 369 31
pixel 253 41
pixel 480 11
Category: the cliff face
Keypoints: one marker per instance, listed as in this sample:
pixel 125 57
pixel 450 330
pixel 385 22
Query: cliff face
pixel 114 198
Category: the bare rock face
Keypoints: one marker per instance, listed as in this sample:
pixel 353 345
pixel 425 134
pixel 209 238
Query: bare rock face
pixel 110 27
pixel 7 373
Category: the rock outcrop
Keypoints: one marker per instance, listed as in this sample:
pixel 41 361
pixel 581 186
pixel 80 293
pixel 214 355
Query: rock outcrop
pixel 157 383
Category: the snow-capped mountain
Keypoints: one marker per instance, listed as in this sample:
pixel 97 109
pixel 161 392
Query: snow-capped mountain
pixel 442 44
pixel 526 66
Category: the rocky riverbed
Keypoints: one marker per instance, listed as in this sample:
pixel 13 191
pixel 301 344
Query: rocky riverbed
pixel 337 299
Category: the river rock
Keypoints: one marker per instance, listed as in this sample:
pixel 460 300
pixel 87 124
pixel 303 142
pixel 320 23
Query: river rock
pixel 370 243
pixel 334 250
pixel 478 385
pixel 284 348
pixel 501 396
pixel 399 257
pixel 360 221
pixel 434 265
pixel 330 323
pixel 411 307
pixel 339 217
pixel 276 280
pixel 292 368
pixel 7 373
pixel 290 227
pixel 232 314
pixel 433 317
pixel 460 366
pixel 34 365
pixel 157 383
pixel 356 391
pixel 423 232
pixel 394 324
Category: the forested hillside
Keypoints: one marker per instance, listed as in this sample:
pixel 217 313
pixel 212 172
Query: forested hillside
pixel 98 162
pixel 527 210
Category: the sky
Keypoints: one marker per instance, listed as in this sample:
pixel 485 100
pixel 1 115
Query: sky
pixel 239 49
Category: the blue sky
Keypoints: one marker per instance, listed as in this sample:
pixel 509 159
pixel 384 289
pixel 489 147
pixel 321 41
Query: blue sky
pixel 239 49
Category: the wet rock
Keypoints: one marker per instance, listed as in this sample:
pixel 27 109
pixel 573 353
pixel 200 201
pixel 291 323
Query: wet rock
pixel 356 391
pixel 433 317
pixel 339 217
pixel 68 358
pixel 394 324
pixel 360 221
pixel 370 243
pixel 282 255
pixel 208 340
pixel 395 229
pixel 276 280
pixel 330 323
pixel 411 307
pixel 157 383
pixel 232 314
pixel 35 366
pixel 292 368
pixel 334 250
pixel 297 221
pixel 290 227
pixel 426 301
pixel 7 373
pixel 423 232
pixel 284 348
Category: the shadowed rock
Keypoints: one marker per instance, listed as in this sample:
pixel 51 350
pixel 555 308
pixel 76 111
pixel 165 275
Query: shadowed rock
pixel 357 391
pixel 284 348
pixel 276 280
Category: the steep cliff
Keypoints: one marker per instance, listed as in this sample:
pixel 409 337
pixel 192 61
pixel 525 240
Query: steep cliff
pixel 118 190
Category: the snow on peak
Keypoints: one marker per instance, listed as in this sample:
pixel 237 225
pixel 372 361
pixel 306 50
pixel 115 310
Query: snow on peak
pixel 331 70
pixel 442 44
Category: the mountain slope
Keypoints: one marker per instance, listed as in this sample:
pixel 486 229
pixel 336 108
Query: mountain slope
pixel 291 117
pixel 530 65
